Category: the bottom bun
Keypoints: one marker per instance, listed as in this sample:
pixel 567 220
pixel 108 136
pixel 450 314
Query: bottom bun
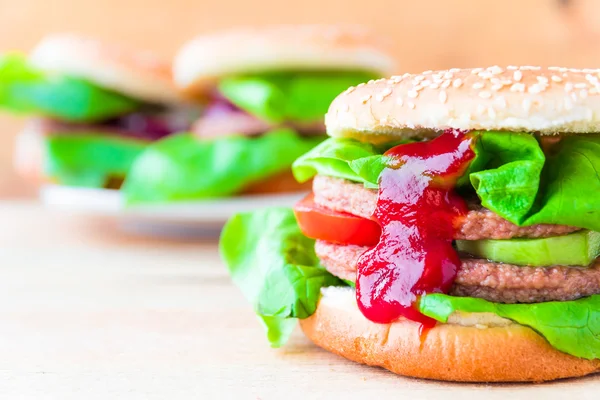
pixel 281 183
pixel 470 348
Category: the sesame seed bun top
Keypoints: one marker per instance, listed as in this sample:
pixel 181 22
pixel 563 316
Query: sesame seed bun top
pixel 138 74
pixel 527 99
pixel 286 47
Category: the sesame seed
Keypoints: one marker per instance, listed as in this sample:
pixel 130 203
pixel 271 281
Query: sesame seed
pixel 426 83
pixel 418 78
pixel 485 95
pixel 581 85
pixel 457 83
pixel 386 92
pixel 512 67
pixel 350 89
pixel 443 96
pixel 411 106
pixel 535 89
pixel 526 105
pixel 445 84
pixel 434 86
pixel 412 94
pixel 476 70
pixel 568 87
pixel 495 70
pixel 517 87
pixel 454 70
pixel 360 84
pixel 497 87
pixel 556 78
pixel 542 79
pixel 427 72
pixel 379 98
pixel 399 101
pixel 517 75
pixel 372 81
pixel 448 75
pixel 478 85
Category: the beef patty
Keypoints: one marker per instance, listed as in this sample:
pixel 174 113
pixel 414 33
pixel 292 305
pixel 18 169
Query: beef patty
pixel 501 283
pixel 479 223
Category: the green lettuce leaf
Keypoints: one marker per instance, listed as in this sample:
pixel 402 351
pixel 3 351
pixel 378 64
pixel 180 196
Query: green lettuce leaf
pixel 183 167
pixel 506 173
pixel 570 191
pixel 289 96
pixel 25 89
pixel 89 160
pixel 343 158
pixel 276 268
pixel 572 327
pixel 510 174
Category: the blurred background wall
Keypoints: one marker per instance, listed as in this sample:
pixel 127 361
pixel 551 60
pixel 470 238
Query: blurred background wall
pixel 425 34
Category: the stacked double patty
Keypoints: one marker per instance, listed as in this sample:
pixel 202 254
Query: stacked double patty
pixel 497 282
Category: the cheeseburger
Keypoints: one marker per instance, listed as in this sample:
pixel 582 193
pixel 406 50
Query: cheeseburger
pixel 452 232
pixel 265 92
pixel 94 106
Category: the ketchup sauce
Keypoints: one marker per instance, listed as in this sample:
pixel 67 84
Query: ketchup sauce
pixel 416 208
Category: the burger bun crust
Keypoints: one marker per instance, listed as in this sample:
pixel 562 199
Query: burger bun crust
pixel 547 101
pixel 464 350
pixel 206 58
pixel 137 74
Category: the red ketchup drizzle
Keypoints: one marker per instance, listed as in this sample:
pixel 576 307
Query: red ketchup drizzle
pixel 416 208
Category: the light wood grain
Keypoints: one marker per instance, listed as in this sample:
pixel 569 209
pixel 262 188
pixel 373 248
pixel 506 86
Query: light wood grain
pixel 89 312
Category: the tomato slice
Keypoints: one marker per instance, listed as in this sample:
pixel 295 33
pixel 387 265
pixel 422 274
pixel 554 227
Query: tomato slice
pixel 321 223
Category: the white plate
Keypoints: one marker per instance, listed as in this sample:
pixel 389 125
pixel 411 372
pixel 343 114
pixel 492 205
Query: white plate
pixel 182 218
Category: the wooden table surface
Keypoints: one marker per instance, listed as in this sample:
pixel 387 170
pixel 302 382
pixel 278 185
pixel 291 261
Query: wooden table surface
pixel 89 312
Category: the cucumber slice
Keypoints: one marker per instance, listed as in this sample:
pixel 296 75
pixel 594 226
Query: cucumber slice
pixel 576 249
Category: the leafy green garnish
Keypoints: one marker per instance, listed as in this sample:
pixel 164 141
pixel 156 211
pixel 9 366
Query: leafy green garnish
pixel 276 268
pixel 343 158
pixel 570 185
pixel 572 327
pixel 289 96
pixel 89 160
pixel 510 174
pixel 25 89
pixel 184 167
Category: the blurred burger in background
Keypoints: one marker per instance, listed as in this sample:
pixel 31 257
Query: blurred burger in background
pixel 94 106
pixel 265 92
